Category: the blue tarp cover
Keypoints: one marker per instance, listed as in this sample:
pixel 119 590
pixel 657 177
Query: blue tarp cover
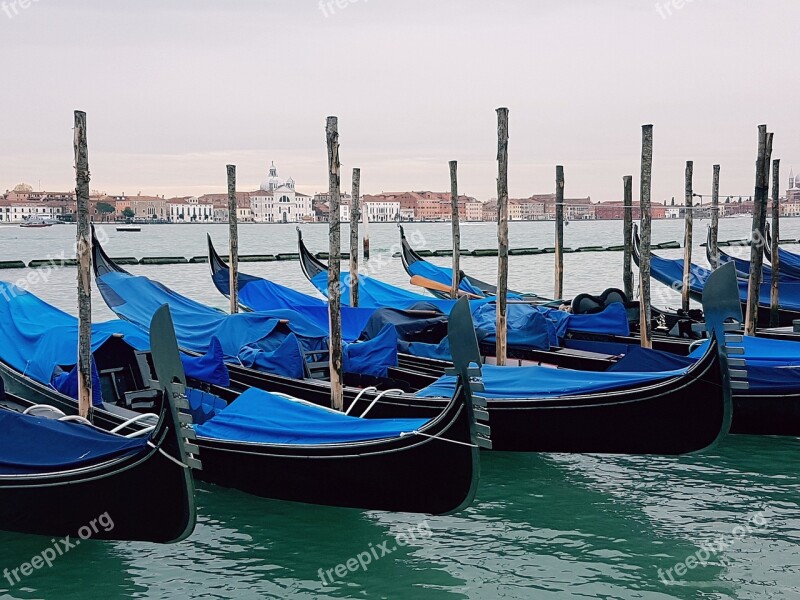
pixel 37 445
pixel 260 417
pixel 37 338
pixel 546 382
pixel 670 273
pixel 772 365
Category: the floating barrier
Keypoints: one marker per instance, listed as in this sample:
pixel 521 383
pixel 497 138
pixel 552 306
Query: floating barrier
pixel 482 252
pixel 589 249
pixel 12 264
pixel 666 245
pixel 524 251
pixel 287 256
pixel 54 262
pixel 163 260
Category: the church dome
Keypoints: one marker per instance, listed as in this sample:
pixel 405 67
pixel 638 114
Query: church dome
pixel 272 181
pixel 23 188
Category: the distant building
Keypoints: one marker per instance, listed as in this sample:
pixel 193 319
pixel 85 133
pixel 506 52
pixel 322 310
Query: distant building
pixel 145 208
pixel 791 204
pixel 220 203
pixel 190 209
pixel 278 202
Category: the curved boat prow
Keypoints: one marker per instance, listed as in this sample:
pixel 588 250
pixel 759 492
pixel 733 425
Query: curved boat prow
pixel 309 263
pixel 720 304
pixel 101 262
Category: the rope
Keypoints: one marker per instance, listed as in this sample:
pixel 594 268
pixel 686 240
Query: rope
pixel 172 458
pixel 436 437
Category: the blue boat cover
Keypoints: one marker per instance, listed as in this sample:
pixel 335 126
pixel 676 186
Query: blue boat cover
pixel 547 382
pixel 790 263
pixel 273 340
pixel 372 357
pixel 38 339
pixel 257 293
pixel 670 273
pixel 31 445
pixel 260 417
pixel 772 365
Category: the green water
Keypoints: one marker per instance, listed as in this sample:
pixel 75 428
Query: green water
pixel 542 526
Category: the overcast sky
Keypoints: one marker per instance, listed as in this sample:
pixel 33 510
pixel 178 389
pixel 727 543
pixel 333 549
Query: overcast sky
pixel 176 89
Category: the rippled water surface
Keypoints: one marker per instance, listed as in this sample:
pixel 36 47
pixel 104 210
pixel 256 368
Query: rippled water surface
pixel 542 526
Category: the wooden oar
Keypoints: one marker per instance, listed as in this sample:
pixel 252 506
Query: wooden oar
pixel 430 284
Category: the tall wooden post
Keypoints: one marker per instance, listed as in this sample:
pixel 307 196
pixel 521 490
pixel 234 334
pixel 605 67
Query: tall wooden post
pixel 502 233
pixel 233 240
pixel 627 235
pixel 84 251
pixel 355 215
pixel 456 229
pixel 757 237
pixel 334 282
pixel 644 262
pixel 687 236
pixel 559 249
pixel 714 237
pixel 774 295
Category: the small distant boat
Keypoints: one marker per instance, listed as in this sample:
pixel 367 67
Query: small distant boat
pixel 129 227
pixel 35 222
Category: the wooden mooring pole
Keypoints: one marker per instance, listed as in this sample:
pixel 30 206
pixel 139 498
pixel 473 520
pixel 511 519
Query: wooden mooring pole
pixel 627 234
pixel 84 252
pixel 502 233
pixel 233 240
pixel 355 215
pixel 558 291
pixel 714 233
pixel 687 236
pixel 774 294
pixel 456 228
pixel 644 262
pixel 757 237
pixel 334 267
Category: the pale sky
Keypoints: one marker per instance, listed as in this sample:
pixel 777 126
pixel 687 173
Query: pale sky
pixel 176 89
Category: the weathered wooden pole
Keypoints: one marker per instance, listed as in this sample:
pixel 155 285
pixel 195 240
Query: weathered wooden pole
pixel 84 256
pixel 233 240
pixel 644 261
pixel 334 250
pixel 774 295
pixel 355 215
pixel 559 249
pixel 757 237
pixel 502 233
pixel 627 234
pixel 687 236
pixel 456 228
pixel 365 220
pixel 714 236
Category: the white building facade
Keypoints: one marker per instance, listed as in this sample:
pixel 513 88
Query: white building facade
pixel 278 202
pixel 190 210
pixel 382 211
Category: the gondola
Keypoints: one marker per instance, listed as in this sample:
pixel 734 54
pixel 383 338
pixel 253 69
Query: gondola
pixel 415 265
pixel 789 261
pixel 62 476
pixel 669 414
pixel 743 265
pixel 273 446
pixel 613 326
pixel 670 273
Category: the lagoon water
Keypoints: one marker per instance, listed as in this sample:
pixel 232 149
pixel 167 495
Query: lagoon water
pixel 542 526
